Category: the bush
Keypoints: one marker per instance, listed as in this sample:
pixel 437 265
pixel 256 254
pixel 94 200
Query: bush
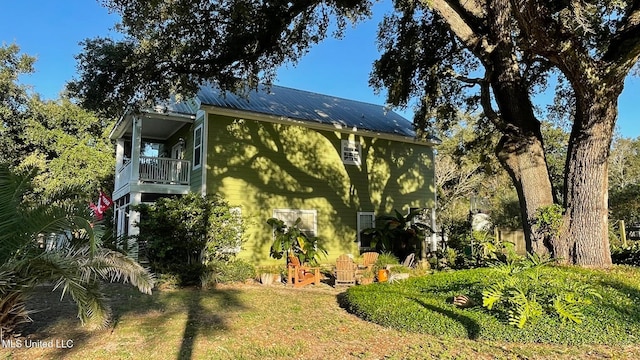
pixel 398 234
pixel 624 204
pixel 424 304
pixel 385 259
pixel 524 291
pixel 229 271
pixel 626 255
pixel 182 234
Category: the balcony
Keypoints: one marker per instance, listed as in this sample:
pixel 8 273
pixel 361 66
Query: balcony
pixel 154 170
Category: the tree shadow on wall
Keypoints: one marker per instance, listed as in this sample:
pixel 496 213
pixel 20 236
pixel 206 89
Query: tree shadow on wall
pixel 292 165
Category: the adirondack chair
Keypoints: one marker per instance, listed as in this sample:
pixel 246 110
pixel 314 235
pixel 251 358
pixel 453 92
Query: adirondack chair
pixel 369 259
pixel 410 260
pixel 299 275
pixel 345 271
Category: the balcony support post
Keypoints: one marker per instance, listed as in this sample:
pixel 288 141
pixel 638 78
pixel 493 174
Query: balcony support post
pixel 136 143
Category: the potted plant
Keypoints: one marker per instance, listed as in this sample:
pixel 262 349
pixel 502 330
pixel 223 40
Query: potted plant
pixel 381 267
pixel 366 277
pixel 270 275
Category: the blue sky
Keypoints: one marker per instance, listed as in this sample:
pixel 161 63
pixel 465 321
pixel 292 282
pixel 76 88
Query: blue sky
pixel 51 31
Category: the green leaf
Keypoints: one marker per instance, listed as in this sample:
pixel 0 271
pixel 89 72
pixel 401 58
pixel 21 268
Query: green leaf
pixel 492 295
pixel 568 311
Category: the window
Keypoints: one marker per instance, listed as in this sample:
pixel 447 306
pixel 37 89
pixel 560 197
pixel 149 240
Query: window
pixel 197 147
pixel 423 216
pixel 308 223
pixel 366 220
pixel 350 152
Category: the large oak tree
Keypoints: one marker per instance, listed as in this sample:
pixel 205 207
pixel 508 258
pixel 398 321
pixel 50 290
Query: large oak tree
pixel 431 50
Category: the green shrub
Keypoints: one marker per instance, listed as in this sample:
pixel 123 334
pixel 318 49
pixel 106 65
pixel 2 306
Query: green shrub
pixel 182 234
pixel 626 255
pixel 624 204
pixel 227 271
pixel 524 292
pixel 398 234
pixel 385 259
pixel 424 304
pixel 400 269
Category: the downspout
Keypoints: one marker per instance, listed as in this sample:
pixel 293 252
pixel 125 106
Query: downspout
pixel 434 235
pixel 205 150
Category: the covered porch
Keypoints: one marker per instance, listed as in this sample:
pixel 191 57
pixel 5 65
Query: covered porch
pixel 152 160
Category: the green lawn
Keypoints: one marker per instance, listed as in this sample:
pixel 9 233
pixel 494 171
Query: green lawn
pixel 250 321
pixel 424 304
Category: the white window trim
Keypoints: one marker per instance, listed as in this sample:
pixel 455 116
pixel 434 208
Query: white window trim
pixel 359 225
pixel 356 149
pixel 198 147
pixel 298 213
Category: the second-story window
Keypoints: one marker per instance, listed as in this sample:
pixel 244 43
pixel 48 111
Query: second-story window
pixel 197 147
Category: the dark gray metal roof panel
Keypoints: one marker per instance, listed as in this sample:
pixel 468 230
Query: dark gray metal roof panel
pixel 181 107
pixel 307 106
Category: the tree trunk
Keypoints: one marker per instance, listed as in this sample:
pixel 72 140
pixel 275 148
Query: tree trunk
pixel 525 162
pixel 585 235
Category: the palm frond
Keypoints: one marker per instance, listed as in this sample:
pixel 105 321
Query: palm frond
pixel 75 267
pixel 64 269
pixel 114 267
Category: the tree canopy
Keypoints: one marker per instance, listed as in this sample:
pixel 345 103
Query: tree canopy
pixel 624 180
pixel 67 145
pixel 171 47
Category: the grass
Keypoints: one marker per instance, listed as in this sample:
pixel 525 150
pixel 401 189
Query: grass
pixel 424 305
pixel 250 321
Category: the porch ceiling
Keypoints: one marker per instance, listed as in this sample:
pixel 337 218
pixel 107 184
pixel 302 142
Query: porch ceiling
pixel 153 127
pixel 160 129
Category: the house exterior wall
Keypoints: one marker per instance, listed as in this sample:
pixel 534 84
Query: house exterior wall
pixel 196 173
pixel 261 166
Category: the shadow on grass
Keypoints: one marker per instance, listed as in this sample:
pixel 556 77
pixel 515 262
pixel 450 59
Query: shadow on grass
pixel 148 317
pixel 621 308
pixel 471 326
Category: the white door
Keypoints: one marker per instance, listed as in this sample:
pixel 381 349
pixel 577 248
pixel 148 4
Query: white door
pixel 177 152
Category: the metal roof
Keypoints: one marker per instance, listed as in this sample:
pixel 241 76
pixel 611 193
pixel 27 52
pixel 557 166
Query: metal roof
pixel 306 106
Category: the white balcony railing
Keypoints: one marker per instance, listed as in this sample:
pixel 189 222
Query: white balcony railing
pixel 155 170
pixel 123 175
pixel 164 170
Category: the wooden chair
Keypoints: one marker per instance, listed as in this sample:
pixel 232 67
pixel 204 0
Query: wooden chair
pixel 299 276
pixel 369 259
pixel 410 260
pixel 345 271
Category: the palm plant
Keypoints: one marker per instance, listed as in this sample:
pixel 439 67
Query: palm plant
pixel 76 264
